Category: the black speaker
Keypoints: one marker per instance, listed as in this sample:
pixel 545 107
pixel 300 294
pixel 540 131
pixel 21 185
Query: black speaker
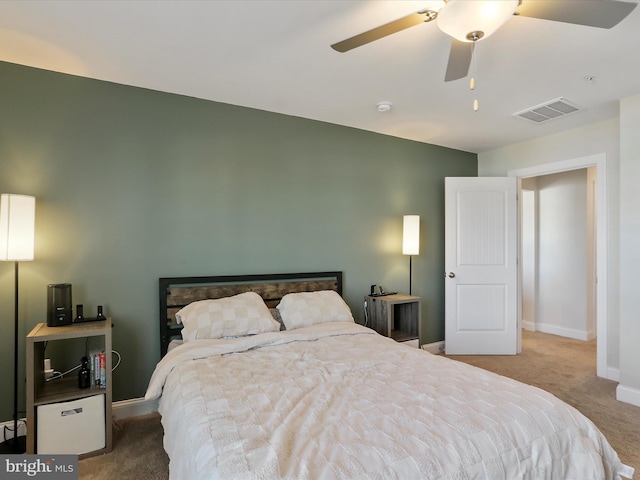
pixel 59 311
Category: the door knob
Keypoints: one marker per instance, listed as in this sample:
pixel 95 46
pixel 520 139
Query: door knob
pixel 451 275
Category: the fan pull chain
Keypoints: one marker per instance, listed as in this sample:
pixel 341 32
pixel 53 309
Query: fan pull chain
pixel 472 82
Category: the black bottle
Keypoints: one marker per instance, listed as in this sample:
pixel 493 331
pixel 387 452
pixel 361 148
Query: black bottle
pixel 100 314
pixel 84 374
pixel 79 313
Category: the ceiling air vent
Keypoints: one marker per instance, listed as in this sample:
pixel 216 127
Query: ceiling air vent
pixel 548 111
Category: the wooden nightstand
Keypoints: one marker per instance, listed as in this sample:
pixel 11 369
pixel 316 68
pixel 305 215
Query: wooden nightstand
pixel 396 316
pixel 41 393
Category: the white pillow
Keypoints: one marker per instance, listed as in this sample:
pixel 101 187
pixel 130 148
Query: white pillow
pixel 308 308
pixel 243 314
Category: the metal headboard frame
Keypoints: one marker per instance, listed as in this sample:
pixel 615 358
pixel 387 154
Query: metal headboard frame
pixel 170 330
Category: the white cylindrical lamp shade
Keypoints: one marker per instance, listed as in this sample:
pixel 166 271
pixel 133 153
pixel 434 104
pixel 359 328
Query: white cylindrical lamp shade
pixel 411 235
pixel 17 227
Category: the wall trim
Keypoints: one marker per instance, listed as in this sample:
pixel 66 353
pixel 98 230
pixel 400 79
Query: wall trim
pixel 133 407
pixel 435 347
pixel 628 395
pixel 564 331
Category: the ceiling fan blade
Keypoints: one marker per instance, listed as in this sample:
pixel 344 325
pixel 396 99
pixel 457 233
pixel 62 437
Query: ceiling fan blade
pixel 459 60
pixel 384 30
pixel 594 13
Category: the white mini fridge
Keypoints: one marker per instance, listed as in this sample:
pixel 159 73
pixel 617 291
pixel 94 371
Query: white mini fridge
pixel 73 427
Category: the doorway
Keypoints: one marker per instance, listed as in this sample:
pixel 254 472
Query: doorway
pixel 557 252
pixel 598 299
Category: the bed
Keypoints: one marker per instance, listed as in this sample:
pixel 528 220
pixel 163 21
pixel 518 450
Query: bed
pixel 307 393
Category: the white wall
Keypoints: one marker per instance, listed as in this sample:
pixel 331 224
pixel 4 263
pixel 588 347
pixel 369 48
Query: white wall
pixel 602 137
pixel 629 388
pixel 561 301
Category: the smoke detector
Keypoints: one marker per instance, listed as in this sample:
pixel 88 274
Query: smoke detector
pixel 384 107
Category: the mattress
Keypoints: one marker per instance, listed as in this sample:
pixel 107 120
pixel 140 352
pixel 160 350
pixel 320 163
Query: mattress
pixel 338 401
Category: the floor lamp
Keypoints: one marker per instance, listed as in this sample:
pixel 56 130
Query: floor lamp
pixel 17 226
pixel 411 239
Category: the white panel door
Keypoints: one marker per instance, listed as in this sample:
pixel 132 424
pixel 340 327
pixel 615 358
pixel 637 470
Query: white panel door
pixel 481 297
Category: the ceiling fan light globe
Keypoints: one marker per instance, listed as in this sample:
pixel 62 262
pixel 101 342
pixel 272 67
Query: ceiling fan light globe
pixel 459 18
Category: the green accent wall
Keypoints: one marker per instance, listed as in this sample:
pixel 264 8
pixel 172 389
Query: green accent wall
pixel 133 184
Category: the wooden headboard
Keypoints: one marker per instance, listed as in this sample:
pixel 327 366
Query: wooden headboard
pixel 176 292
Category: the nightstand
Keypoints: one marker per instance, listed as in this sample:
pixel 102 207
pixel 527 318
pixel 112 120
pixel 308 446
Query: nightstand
pixel 74 404
pixel 396 316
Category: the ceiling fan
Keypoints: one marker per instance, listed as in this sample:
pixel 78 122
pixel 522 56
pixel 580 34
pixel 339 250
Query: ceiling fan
pixel 468 21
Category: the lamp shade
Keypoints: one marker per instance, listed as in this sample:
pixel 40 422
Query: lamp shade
pixel 459 18
pixel 17 227
pixel 411 235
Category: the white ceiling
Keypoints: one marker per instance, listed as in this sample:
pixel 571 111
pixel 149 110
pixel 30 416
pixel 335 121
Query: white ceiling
pixel 276 56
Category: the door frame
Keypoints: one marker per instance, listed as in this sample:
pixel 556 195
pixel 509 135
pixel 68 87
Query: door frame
pixel 599 161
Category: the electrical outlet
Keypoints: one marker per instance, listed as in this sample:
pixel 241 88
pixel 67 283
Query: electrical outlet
pixel 48 371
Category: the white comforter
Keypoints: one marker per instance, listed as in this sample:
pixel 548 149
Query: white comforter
pixel 337 401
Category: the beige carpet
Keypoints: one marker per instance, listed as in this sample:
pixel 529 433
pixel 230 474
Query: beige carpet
pixel 562 366
pixel 137 453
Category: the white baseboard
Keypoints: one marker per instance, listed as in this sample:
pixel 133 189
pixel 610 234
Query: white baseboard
pixel 528 325
pixel 565 332
pixel 435 348
pixel 628 395
pixel 133 407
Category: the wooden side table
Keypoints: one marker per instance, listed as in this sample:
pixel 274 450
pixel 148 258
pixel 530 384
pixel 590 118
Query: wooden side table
pixel 40 392
pixel 396 316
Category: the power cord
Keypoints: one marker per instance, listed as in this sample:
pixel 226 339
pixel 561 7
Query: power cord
pixel 57 375
pixel 119 360
pixel 10 429
pixel 366 316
